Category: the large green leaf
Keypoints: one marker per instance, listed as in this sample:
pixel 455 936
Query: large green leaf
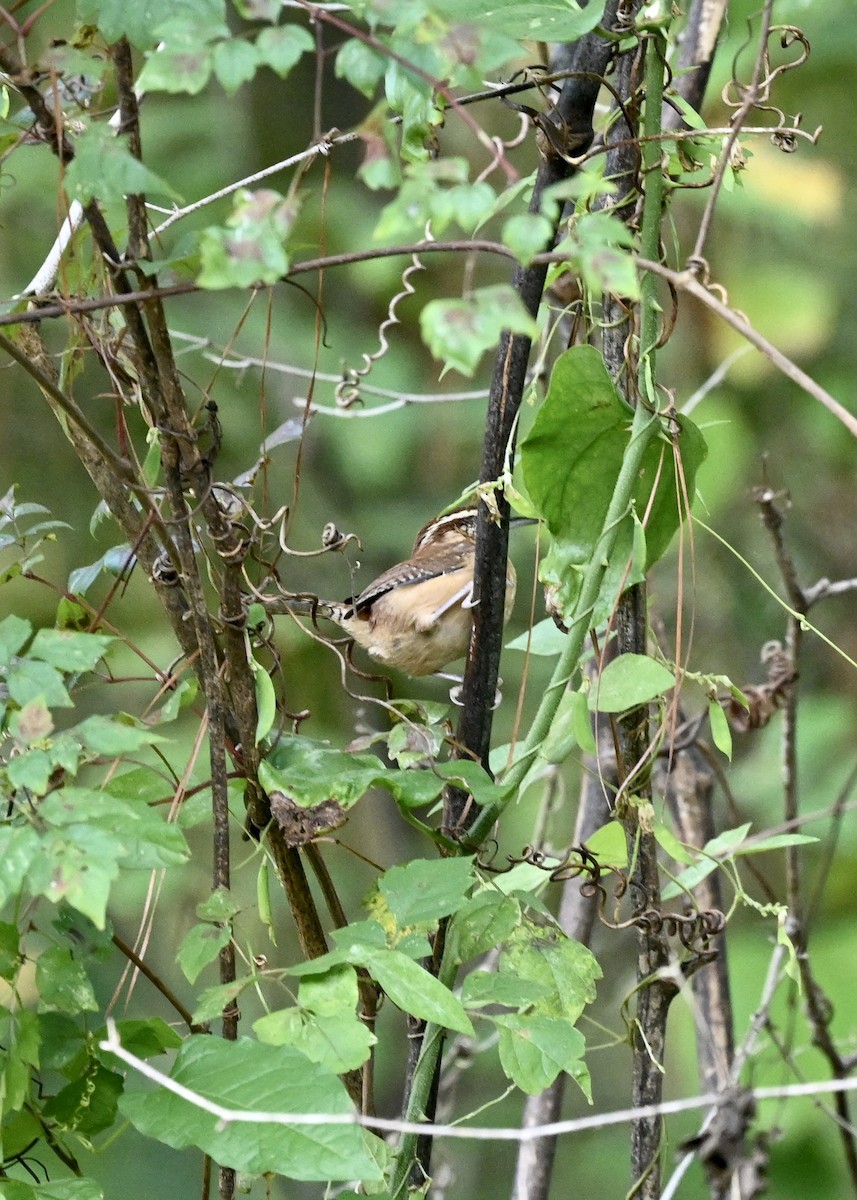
pixel 527 20
pixel 570 462
pixel 250 1077
pixel 424 890
pixel 59 1189
pixel 310 773
pixel 69 650
pixel 566 969
pixel 145 21
pixel 534 1049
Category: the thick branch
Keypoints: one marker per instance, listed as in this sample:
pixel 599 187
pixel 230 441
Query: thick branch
pixel 571 124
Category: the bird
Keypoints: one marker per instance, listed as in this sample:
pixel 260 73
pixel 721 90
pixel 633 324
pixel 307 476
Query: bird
pixel 416 617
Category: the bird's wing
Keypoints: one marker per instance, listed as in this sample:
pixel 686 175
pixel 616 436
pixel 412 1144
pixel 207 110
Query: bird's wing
pixel 397 577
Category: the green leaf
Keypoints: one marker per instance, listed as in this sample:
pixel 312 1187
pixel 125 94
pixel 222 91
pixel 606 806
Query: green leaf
pixel 201 946
pixel 310 774
pixel 181 66
pixel 103 735
pixel 727 841
pixel 566 969
pixel 30 680
pixel 266 700
pixel 144 1038
pixel 19 847
pixel 674 848
pixel 460 331
pixel 281 47
pixel 59 1189
pixel 335 991
pixel 248 1076
pixel 10 956
pixel 14 633
pixel 32 770
pixel 725 845
pixel 544 639
pixel 69 651
pixel 116 561
pixel 495 987
pixel 338 1042
pixel 721 734
pixel 598 248
pixel 138 835
pixel 212 1001
pixel 62 1040
pixel 87 1105
pixel 527 20
pixel 570 460
pixel 63 983
pixel 147 21
pixel 19 1038
pixel 563 737
pixel 325 1027
pixel 423 891
pixel 183 694
pixel 527 235
pixel 629 680
pixel 413 989
pixel 609 845
pixel 581 723
pixel 221 905
pixel 235 63
pixel 406 983
pixel 251 248
pixel 534 1049
pixel 103 168
pixel 473 777
pixel 777 841
pixel 362 66
pixel 482 924
pixel 79 863
pixel 465 204
pixel 32 723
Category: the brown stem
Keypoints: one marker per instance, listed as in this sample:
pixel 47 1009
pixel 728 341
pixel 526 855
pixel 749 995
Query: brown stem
pixel 164 988
pixel 571 124
pixel 129 124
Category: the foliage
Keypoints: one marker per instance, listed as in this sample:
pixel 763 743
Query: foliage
pixel 167 739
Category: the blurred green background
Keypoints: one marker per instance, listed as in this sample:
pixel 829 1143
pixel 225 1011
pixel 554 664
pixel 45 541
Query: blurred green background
pixel 782 245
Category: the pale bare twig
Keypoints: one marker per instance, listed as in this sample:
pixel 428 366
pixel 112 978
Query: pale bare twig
pixel 687 281
pixel 229 1116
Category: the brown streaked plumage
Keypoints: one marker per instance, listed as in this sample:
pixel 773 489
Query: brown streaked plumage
pixel 417 616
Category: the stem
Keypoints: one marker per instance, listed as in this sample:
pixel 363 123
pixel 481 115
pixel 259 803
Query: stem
pixel 654 992
pixel 643 428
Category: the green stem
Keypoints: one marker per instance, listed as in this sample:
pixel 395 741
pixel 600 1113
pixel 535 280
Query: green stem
pixel 424 1075
pixel 645 425
pixel 643 428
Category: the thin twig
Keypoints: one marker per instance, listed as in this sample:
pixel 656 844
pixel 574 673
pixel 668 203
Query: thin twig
pixel 230 1116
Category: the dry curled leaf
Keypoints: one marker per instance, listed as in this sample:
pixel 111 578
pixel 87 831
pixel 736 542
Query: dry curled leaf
pixel 301 825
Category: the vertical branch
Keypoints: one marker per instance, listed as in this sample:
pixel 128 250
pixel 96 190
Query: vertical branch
pixel 654 991
pixel 129 123
pixel 569 126
pixel 818 1007
pixel 567 131
pixel 688 787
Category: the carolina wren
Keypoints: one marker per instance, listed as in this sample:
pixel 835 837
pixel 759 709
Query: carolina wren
pixel 416 616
